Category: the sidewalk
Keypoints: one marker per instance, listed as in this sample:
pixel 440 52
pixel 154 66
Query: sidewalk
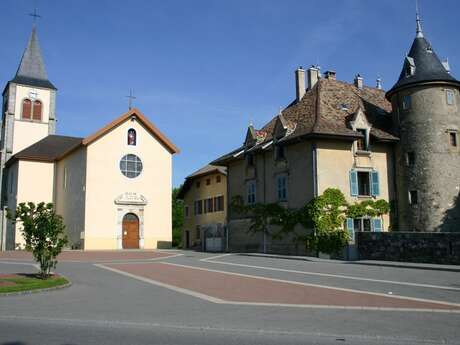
pixel 398 264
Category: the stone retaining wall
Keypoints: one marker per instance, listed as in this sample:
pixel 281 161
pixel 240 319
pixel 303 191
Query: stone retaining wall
pixel 428 247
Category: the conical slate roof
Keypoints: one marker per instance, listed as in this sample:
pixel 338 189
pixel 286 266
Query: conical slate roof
pixel 427 67
pixel 32 70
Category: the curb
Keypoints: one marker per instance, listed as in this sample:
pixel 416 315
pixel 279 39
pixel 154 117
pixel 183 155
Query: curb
pixel 409 265
pixel 29 292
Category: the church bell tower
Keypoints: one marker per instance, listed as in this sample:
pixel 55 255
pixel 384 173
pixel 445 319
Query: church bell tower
pixel 426 112
pixel 28 103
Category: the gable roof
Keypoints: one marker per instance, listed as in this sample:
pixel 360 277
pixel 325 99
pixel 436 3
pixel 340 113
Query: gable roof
pixel 31 70
pixel 206 170
pixel 49 149
pixel 325 111
pixel 146 122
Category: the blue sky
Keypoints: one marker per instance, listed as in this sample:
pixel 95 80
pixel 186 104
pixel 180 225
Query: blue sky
pixel 201 70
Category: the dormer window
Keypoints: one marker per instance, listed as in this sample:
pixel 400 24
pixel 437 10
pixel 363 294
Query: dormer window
pixel 132 137
pixel 279 153
pixel 249 160
pixel 344 106
pixel 409 66
pixel 361 143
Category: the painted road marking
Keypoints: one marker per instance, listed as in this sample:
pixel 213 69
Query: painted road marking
pixel 440 287
pixel 216 300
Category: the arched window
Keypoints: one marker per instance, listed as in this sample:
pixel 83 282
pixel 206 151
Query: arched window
pixel 26 109
pixel 37 113
pixel 132 137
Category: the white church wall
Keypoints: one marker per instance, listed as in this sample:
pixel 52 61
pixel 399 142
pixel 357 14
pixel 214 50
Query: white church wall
pixel 34 183
pixel 69 194
pixel 105 183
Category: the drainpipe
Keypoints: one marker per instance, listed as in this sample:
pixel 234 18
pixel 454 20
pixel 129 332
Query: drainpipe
pixel 315 169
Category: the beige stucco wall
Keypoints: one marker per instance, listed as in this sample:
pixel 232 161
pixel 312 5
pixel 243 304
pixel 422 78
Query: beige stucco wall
pixel 33 182
pixel 70 194
pixel 27 132
pixel 336 159
pixel 205 191
pixel 105 182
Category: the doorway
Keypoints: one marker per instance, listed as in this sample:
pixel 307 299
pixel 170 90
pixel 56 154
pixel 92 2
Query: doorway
pixel 130 231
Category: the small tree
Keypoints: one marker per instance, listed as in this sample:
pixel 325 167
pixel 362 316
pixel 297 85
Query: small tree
pixel 43 231
pixel 177 218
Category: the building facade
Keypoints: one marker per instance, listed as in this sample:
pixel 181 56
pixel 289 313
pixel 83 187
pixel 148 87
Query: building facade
pixel 204 195
pixel 113 188
pixel 400 146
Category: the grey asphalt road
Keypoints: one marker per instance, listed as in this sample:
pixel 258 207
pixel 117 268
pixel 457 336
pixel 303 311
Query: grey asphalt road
pixel 103 307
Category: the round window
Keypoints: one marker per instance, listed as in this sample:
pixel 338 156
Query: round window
pixel 131 166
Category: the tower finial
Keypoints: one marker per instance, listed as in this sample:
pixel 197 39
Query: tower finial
pixel 419 32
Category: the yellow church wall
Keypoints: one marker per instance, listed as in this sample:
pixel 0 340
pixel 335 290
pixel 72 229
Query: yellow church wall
pixel 27 132
pixel 34 182
pixel 105 183
pixel 336 159
pixel 70 184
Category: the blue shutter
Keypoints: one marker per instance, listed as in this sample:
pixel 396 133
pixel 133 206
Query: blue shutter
pixel 377 224
pixel 350 228
pixel 375 189
pixel 353 183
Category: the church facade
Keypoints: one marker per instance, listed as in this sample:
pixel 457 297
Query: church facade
pixel 113 188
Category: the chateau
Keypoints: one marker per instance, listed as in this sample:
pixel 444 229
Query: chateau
pixel 113 188
pixel 400 146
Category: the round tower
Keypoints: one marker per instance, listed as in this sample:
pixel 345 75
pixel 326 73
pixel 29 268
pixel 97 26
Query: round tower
pixel 426 112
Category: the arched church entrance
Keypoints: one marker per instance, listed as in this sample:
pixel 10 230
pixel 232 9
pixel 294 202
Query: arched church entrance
pixel 130 231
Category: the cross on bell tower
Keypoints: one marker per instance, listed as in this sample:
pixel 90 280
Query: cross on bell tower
pixel 35 15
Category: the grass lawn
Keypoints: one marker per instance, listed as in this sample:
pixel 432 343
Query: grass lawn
pixel 26 282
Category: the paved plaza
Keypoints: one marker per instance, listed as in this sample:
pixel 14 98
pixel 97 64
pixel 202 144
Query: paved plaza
pixel 184 297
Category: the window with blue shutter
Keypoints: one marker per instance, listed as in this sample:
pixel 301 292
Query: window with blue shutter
pixel 353 183
pixel 377 224
pixel 350 228
pixel 375 189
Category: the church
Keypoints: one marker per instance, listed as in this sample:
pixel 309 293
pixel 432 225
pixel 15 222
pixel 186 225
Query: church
pixel 112 188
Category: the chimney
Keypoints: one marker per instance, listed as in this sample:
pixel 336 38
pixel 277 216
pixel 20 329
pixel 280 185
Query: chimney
pixel 300 83
pixel 330 75
pixel 313 75
pixel 379 83
pixel 359 81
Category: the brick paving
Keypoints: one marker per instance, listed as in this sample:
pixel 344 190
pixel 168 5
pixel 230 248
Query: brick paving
pixel 235 288
pixel 91 256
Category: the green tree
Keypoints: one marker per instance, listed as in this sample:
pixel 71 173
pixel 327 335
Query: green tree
pixel 43 232
pixel 177 217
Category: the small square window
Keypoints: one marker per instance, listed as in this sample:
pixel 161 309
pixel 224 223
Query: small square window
pixel 410 158
pixel 450 97
pixel 218 179
pixel 406 102
pixel 413 197
pixel 453 139
pixel 208 182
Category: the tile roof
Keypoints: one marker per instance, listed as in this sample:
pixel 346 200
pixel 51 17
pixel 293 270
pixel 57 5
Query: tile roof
pixel 49 149
pixel 427 66
pixel 325 111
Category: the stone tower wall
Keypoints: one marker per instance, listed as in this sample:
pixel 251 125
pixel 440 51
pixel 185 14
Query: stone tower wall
pixel 424 129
